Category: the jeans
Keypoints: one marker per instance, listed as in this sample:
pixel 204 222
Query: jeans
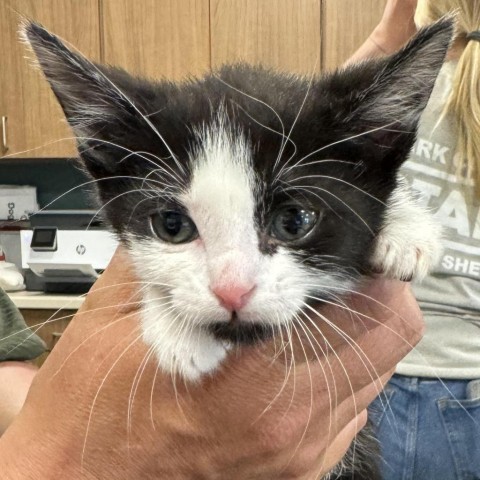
pixel 428 429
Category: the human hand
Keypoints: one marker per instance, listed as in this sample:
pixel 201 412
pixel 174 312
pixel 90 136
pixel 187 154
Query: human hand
pixel 395 28
pixel 96 411
pixel 397 25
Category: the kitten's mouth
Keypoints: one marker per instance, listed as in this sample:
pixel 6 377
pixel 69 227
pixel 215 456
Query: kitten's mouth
pixel 240 332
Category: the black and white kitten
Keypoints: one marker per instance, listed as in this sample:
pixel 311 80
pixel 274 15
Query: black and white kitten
pixel 244 195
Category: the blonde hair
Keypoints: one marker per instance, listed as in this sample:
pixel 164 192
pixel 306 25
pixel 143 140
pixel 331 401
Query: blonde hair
pixel 463 103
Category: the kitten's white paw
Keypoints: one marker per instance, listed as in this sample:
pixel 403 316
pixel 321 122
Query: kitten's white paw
pixel 403 255
pixel 409 243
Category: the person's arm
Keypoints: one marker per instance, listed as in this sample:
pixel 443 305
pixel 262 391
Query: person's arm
pixel 97 410
pixel 15 381
pixel 396 27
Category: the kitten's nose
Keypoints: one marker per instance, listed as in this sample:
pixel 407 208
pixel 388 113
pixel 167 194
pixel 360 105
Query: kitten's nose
pixel 233 297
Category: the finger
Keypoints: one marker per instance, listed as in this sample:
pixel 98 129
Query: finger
pixel 361 399
pixel 379 301
pixel 339 446
pixel 360 359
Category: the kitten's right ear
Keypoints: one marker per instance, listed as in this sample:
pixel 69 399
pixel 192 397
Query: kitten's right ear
pixel 87 96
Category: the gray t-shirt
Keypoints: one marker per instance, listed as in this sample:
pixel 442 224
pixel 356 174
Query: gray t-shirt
pixel 450 295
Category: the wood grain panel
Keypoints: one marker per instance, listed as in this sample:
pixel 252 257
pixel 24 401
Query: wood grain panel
pixel 157 38
pixel 35 119
pixel 282 33
pixel 345 26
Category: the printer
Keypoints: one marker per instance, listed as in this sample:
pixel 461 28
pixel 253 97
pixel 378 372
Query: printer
pixel 65 250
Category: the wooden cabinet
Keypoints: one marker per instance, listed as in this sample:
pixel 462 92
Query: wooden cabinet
pixel 167 38
pixel 35 125
pixel 284 34
pixel 157 38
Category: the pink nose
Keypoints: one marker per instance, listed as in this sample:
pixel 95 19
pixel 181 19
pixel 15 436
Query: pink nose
pixel 233 297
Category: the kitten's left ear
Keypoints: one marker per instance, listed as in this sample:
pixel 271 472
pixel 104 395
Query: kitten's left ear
pixel 396 89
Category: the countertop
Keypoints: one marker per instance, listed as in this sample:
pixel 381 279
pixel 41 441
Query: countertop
pixel 44 301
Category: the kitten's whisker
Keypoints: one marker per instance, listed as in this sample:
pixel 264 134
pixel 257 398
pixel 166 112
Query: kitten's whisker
pixel 145 310
pixel 340 363
pixel 282 134
pixel 251 97
pixel 166 168
pixel 134 209
pixel 367 364
pixel 155 112
pixel 311 394
pixel 130 345
pixel 160 164
pixel 293 361
pixel 328 177
pixel 52 317
pixel 180 334
pixel 288 368
pixel 301 188
pixel 284 137
pixel 318 162
pixel 309 334
pixel 130 102
pixel 30 150
pixel 151 396
pixel 84 184
pixel 102 329
pixel 410 345
pixel 145 361
pixel 308 187
pixel 376 129
pixel 116 197
pixel 35 328
pixel 295 122
pixel 135 383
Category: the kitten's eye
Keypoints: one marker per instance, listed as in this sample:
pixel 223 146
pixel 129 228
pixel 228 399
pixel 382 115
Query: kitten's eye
pixel 292 223
pixel 173 227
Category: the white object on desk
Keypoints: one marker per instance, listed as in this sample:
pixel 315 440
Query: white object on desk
pixel 10 278
pixel 45 301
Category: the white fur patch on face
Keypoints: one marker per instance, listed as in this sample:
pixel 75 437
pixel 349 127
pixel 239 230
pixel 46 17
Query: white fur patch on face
pixel 221 202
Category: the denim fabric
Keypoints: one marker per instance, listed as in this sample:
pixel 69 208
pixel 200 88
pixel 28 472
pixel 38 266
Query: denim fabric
pixel 428 429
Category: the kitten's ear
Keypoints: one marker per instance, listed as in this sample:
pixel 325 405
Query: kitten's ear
pixel 85 93
pixel 93 98
pixel 396 89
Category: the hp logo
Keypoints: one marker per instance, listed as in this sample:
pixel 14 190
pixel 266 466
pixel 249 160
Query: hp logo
pixel 81 249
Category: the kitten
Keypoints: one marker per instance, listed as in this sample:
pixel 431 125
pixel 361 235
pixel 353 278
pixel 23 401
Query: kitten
pixel 244 195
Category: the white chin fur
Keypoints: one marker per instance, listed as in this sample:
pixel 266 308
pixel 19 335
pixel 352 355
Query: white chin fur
pixel 182 349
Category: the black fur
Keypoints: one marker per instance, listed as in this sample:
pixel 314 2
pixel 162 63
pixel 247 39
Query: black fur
pixel 361 121
pixel 338 106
